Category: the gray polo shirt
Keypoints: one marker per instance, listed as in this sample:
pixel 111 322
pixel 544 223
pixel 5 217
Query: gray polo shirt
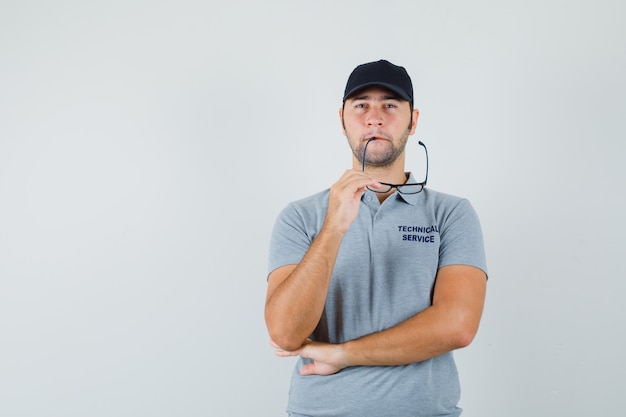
pixel 384 274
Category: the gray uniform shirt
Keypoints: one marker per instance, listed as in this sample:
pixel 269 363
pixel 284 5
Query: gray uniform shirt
pixel 384 274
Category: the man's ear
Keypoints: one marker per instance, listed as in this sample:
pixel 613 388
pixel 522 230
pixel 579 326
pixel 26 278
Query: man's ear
pixel 416 115
pixel 343 126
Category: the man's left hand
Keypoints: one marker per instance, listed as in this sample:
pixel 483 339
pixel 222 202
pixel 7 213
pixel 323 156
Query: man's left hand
pixel 327 358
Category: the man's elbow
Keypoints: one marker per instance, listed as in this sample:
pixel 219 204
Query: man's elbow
pixel 464 331
pixel 284 336
pixel 464 338
pixel 286 341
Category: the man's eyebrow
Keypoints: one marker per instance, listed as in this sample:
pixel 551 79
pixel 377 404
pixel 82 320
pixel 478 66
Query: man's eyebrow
pixel 367 97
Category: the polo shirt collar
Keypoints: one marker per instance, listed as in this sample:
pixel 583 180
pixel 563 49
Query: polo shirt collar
pixel 410 198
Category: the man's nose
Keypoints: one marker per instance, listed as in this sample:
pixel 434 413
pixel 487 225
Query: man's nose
pixel 374 118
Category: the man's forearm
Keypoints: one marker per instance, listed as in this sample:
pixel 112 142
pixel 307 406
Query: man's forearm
pixel 423 336
pixel 295 306
pixel 450 323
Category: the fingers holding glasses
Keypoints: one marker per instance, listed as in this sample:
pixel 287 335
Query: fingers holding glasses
pixel 352 184
pixel 345 198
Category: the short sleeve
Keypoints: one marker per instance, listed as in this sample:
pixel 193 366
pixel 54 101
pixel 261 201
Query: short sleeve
pixel 462 238
pixel 289 240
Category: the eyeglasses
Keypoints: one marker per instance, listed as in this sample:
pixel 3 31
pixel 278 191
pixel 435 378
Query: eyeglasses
pixel 412 188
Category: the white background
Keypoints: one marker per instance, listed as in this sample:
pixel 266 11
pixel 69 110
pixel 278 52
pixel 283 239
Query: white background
pixel 147 146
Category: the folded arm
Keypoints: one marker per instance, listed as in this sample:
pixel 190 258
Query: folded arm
pixel 450 323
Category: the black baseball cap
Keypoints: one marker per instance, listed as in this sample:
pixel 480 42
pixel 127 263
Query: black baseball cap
pixel 383 74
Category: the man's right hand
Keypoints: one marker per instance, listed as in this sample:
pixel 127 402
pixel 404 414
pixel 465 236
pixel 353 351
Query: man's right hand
pixel 345 199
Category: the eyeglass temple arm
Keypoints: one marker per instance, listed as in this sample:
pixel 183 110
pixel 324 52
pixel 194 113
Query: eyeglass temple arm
pixel 426 149
pixel 364 150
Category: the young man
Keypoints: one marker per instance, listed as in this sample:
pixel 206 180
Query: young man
pixel 375 281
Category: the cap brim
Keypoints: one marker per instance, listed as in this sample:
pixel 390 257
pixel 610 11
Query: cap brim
pixel 386 86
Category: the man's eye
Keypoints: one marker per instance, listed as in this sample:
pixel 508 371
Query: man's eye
pixel 360 106
pixel 390 106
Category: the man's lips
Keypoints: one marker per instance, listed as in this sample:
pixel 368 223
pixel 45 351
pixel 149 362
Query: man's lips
pixel 373 138
pixel 376 134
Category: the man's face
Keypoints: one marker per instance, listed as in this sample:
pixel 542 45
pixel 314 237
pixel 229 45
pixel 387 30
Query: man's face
pixel 381 114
